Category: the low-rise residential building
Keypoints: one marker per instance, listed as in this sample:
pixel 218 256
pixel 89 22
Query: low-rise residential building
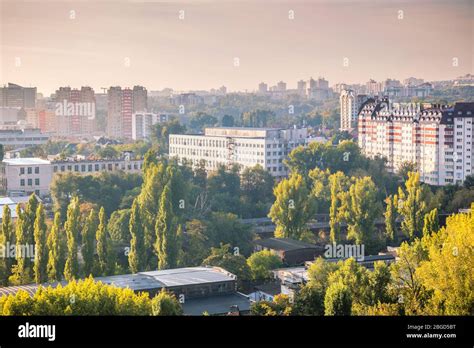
pixel 12 203
pixel 247 147
pixel 23 176
pixel 265 292
pixel 291 252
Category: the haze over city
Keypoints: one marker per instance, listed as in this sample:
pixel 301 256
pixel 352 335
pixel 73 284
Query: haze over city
pixel 251 158
pixel 104 43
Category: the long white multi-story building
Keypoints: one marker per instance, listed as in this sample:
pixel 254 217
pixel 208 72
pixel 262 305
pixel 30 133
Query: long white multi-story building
pixel 247 147
pixel 438 139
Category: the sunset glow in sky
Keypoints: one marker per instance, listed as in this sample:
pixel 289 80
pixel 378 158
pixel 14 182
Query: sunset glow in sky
pixel 43 46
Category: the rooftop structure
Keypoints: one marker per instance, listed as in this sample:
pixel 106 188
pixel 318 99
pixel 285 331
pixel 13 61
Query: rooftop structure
pixel 22 137
pixel 291 252
pixel 12 203
pixel 25 161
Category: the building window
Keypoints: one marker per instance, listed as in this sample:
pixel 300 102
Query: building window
pixel 37 181
pixel 30 182
pixel 22 170
pixel 30 170
pixel 22 182
pixel 37 170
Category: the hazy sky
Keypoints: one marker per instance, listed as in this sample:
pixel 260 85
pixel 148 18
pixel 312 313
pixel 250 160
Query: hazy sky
pixel 198 51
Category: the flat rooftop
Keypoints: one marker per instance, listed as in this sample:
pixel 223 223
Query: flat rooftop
pixel 169 278
pixel 216 305
pixel 12 202
pixel 144 281
pixel 285 244
pixel 242 132
pixel 25 161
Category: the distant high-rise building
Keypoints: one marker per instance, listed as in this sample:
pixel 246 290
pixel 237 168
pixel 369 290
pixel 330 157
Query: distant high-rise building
pixel 122 103
pixel 140 99
pixel 14 95
pixel 339 87
pixel 350 104
pixel 301 87
pixel 318 89
pixel 281 86
pixel 47 121
pixel 412 81
pixel 142 123
pixel 75 111
pixel 322 83
pixel 262 88
pixel 373 87
pixel 32 117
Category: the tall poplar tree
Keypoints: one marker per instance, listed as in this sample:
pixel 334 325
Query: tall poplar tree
pixel 431 222
pixel 41 252
pixel 166 245
pixel 411 206
pixel 72 227
pixel 292 208
pixel 360 208
pixel 338 183
pixel 103 248
pixel 30 218
pixel 54 251
pixel 136 256
pixel 21 271
pixel 391 218
pixel 88 242
pixel 7 239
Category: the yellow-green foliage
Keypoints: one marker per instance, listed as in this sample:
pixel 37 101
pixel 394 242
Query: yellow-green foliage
pixel 449 271
pixel 84 297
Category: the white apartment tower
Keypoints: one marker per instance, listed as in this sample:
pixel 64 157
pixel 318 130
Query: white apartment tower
pixel 247 147
pixel 350 104
pixel 142 123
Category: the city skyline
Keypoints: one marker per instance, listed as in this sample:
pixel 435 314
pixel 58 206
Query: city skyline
pixel 199 51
